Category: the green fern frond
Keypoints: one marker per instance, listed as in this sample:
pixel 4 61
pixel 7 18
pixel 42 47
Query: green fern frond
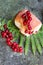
pixel 33 45
pixel 39 48
pixel 27 44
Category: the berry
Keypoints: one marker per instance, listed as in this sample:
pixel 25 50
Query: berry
pixel 15 49
pixel 11 38
pixel 8 39
pixel 5 26
pixel 6 36
pixel 30 18
pixel 23 16
pixel 7 31
pixel 14 45
pixel 24 23
pixel 27 12
pixel 30 32
pixel 26 31
pixel 3 33
pixel 9 43
pixel 20 49
pixel 10 34
pixel 29 27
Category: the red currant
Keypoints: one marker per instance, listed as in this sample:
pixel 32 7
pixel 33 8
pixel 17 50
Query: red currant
pixel 7 31
pixel 11 38
pixel 30 18
pixel 9 43
pixel 20 49
pixel 6 36
pixel 15 49
pixel 3 34
pixel 30 32
pixel 26 31
pixel 8 39
pixel 29 27
pixel 24 23
pixel 23 16
pixel 10 34
pixel 27 12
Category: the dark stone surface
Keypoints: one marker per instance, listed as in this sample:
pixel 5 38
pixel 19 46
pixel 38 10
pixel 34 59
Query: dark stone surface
pixel 8 9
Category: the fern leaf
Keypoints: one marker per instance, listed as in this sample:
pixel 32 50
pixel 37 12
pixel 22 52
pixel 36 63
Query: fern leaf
pixel 40 39
pixel 38 44
pixel 27 42
pixel 33 45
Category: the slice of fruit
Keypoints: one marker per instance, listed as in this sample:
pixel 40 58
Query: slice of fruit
pixel 27 21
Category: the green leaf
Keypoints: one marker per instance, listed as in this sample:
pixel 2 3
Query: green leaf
pixel 3 22
pixel 33 45
pixel 27 42
pixel 9 23
pixel 40 39
pixel 38 44
pixel 21 40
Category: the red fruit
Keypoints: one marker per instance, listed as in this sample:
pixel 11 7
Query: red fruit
pixel 8 39
pixel 28 12
pixel 11 38
pixel 29 15
pixel 9 43
pixel 23 16
pixel 20 49
pixel 15 49
pixel 3 34
pixel 29 27
pixel 26 31
pixel 5 26
pixel 24 23
pixel 6 36
pixel 30 32
pixel 10 34
pixel 14 45
pixel 7 31
pixel 30 18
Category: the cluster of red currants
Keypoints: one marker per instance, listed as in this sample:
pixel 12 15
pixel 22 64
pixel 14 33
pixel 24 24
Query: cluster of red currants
pixel 8 36
pixel 27 19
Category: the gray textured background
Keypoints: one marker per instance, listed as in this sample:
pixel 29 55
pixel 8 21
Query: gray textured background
pixel 8 9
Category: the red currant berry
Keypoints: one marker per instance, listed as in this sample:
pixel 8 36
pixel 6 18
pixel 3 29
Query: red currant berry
pixel 15 49
pixel 5 26
pixel 3 34
pixel 30 18
pixel 11 38
pixel 30 32
pixel 20 49
pixel 6 36
pixel 9 43
pixel 24 23
pixel 8 39
pixel 7 31
pixel 14 45
pixel 27 12
pixel 10 34
pixel 29 27
pixel 23 16
pixel 29 15
pixel 26 31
